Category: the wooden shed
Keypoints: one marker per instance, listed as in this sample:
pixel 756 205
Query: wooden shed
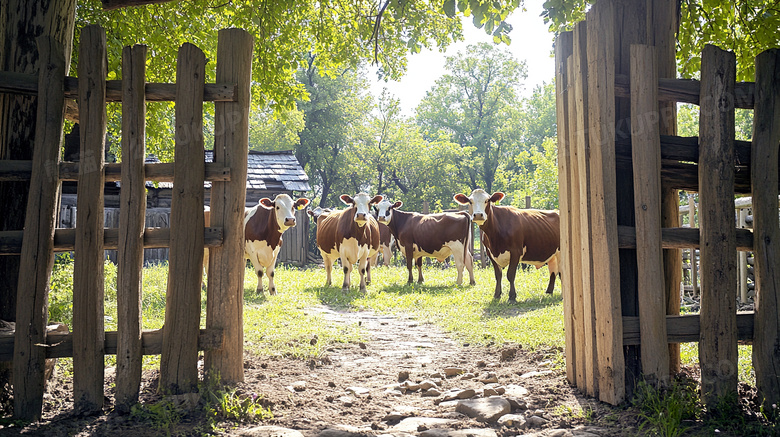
pixel 268 174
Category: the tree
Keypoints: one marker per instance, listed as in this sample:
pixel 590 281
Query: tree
pixel 746 27
pixel 475 104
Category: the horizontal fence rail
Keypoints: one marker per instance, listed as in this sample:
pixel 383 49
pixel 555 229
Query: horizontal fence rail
pixel 685 328
pixel 687 91
pixel 19 170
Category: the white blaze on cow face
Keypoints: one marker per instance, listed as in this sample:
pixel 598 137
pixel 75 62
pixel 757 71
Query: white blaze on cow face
pixel 384 210
pixel 478 203
pixel 362 204
pixel 284 209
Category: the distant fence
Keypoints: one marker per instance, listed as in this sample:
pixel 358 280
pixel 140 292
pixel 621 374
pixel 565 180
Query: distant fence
pixel 181 339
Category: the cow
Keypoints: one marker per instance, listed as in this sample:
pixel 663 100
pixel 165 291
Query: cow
pixel 512 235
pixel 351 234
pixel 431 235
pixel 385 243
pixel 264 225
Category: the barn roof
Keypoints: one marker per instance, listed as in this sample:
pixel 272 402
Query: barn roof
pixel 273 171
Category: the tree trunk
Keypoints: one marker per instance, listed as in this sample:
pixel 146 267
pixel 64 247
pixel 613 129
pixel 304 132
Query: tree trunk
pixel 21 22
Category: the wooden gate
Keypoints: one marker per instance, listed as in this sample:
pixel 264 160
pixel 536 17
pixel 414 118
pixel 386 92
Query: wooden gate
pixel 181 338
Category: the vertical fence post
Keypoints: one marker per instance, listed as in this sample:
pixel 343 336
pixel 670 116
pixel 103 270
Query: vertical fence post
pixel 563 49
pixel 646 157
pixel 581 142
pixel 130 254
pixel 38 243
pixel 88 325
pixel 179 360
pixel 225 301
pixel 601 127
pixel 718 338
pixel 764 178
pixel 742 260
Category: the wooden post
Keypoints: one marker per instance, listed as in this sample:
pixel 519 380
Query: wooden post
pixel 718 247
pixel 38 243
pixel 646 157
pixel 88 313
pixel 563 49
pixel 694 262
pixel 225 302
pixel 601 127
pixel 576 231
pixel 764 178
pixel 179 360
pixel 583 155
pixel 132 216
pixel 527 202
pixel 742 285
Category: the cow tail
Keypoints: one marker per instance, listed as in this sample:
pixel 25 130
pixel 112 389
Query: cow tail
pixel 468 237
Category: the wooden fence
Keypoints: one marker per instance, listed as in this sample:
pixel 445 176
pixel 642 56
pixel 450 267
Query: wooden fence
pixel 620 174
pixel 181 338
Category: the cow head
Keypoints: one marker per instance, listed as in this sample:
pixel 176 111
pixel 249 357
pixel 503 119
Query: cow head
pixel 318 211
pixel 479 203
pixel 362 204
pixel 384 210
pixel 284 209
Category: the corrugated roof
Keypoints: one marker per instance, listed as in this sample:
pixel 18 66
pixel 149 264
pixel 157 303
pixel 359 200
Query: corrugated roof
pixel 265 171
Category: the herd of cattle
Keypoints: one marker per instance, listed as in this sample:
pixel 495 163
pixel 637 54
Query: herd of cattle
pixel 355 236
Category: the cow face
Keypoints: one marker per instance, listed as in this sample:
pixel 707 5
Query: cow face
pixel 362 204
pixel 284 209
pixel 479 203
pixel 384 210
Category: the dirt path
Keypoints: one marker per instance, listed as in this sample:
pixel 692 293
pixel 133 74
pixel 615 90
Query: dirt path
pixel 406 378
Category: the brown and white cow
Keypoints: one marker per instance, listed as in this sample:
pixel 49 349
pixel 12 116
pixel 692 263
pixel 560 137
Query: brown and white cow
pixel 264 225
pixel 432 235
pixel 512 235
pixel 351 234
pixel 386 240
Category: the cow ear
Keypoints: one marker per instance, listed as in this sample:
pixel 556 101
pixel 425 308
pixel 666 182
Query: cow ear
pixel 301 203
pixel 398 204
pixel 496 197
pixel 310 212
pixel 461 198
pixel 378 198
pixel 346 199
pixel 267 203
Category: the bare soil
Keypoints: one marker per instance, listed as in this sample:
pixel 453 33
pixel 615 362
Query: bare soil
pixel 351 386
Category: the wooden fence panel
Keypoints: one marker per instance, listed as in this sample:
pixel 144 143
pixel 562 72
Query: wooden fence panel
pixel 179 361
pixel 606 280
pixel 224 306
pixel 38 246
pixel 766 136
pixel 646 154
pixel 718 343
pixel 563 49
pixel 132 216
pixel 88 313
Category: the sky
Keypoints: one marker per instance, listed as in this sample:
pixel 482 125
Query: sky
pixel 531 42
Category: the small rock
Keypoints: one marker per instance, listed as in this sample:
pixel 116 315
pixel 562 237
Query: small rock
pixel 517 404
pixel 416 424
pixel 512 420
pixel 488 378
pixel 475 432
pixel 432 392
pixel 468 375
pixel 437 375
pixel 481 363
pixel 403 375
pixel 536 421
pixel 452 371
pixel 447 404
pixel 331 384
pixel 268 431
pixel 459 394
pixel 299 385
pixel 516 390
pixel 484 410
pixel 539 412
pixel 358 391
pixel 348 401
pixel 488 392
pixel 535 373
pixel 362 345
pixel 454 415
pixel 560 433
pixel 508 354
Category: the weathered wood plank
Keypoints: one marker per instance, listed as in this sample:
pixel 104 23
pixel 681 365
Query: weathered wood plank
pixel 686 328
pixel 563 49
pixel 686 91
pixel 61 345
pixel 132 215
pixel 38 246
pixel 681 238
pixel 601 122
pixel 581 143
pixel 88 267
pixel 766 136
pixel 179 360
pixel 646 153
pixel 11 170
pixel 226 263
pixel 718 341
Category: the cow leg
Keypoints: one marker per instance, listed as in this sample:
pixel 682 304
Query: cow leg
pixel 510 275
pixel 386 255
pixel 270 272
pixel 368 273
pixel 419 270
pixel 328 263
pixel 552 266
pixel 363 268
pixel 470 267
pixel 409 264
pixel 259 270
pixel 498 275
pixel 347 273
